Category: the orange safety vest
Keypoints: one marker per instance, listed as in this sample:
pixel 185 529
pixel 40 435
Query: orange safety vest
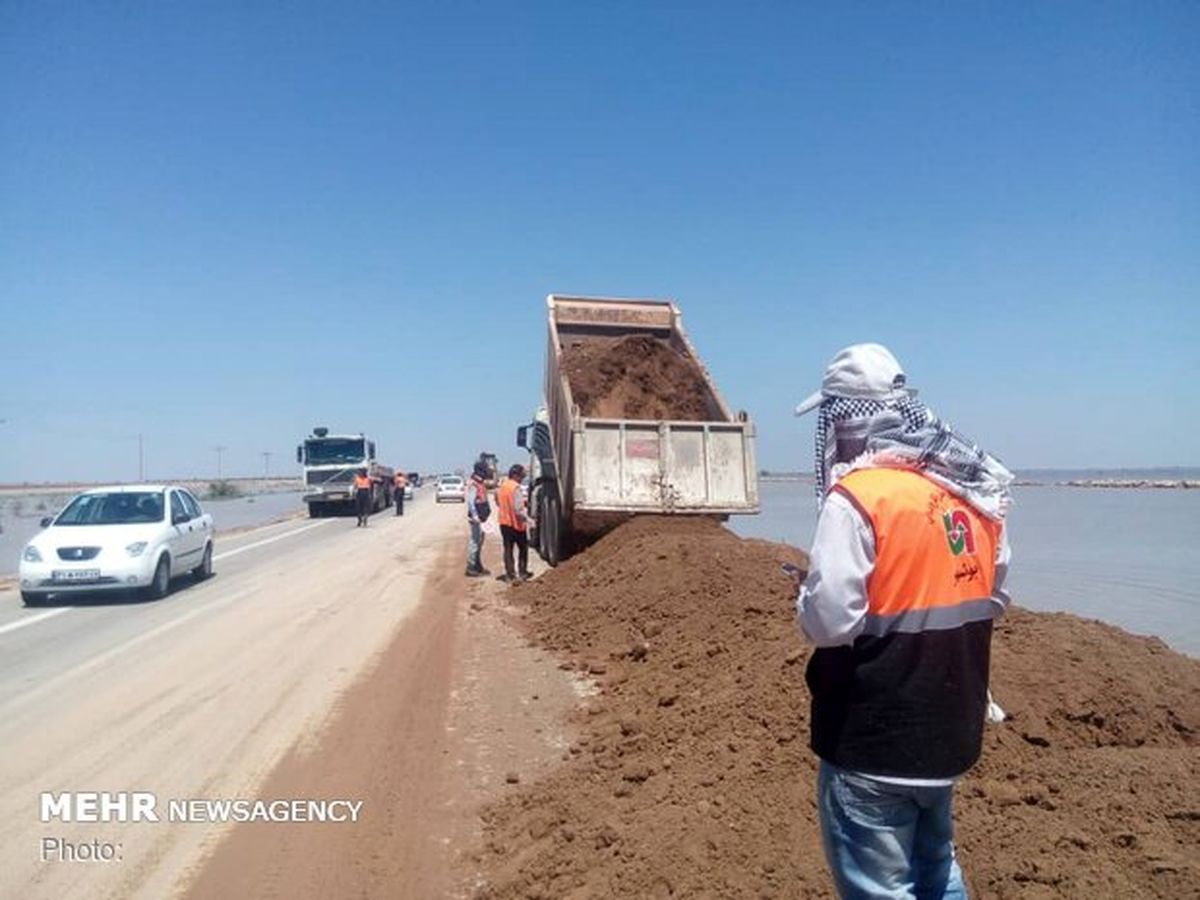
pixel 506 499
pixel 362 482
pixel 907 699
pixel 933 550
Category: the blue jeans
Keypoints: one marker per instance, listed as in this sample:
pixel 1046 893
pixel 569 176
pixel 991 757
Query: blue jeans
pixel 475 546
pixel 887 840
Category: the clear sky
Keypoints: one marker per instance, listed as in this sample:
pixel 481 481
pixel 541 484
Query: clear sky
pixel 222 224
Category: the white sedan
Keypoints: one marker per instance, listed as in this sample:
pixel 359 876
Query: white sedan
pixel 451 487
pixel 117 538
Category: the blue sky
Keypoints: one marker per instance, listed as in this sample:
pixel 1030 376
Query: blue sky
pixel 227 223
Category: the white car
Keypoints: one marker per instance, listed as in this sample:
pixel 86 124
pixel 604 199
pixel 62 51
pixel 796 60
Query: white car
pixel 451 487
pixel 118 538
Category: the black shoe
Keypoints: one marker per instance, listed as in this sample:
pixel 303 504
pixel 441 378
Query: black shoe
pixel 505 578
pixel 474 573
pixel 525 576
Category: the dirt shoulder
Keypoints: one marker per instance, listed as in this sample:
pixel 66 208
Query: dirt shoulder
pixel 460 710
pixel 691 776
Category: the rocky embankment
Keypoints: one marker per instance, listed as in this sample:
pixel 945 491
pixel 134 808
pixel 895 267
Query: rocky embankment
pixel 689 774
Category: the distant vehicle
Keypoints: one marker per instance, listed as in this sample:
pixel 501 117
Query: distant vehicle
pixel 118 538
pixel 452 488
pixel 330 463
pixel 415 479
pixel 590 473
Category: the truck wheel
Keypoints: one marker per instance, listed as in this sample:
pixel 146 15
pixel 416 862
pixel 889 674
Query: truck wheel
pixel 551 528
pixel 314 511
pixel 30 599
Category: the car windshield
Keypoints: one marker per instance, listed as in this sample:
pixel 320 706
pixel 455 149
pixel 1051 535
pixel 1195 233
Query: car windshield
pixel 123 508
pixel 452 482
pixel 334 451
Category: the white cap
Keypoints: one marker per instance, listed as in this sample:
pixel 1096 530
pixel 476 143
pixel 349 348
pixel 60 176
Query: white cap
pixel 862 371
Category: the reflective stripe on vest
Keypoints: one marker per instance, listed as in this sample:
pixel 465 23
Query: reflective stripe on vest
pixel 935 554
pixel 506 500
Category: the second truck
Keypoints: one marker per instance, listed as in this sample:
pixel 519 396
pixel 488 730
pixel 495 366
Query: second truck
pixel 330 462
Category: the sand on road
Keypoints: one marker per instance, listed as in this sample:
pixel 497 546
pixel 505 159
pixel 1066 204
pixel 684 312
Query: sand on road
pixel 206 706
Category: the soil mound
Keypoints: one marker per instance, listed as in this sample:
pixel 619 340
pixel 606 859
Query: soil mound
pixel 691 775
pixel 635 377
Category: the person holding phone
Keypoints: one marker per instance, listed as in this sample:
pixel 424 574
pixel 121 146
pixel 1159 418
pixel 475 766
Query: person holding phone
pixel 905 579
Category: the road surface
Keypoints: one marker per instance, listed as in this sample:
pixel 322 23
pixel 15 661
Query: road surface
pixel 197 695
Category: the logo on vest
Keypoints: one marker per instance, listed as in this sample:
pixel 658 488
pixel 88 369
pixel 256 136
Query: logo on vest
pixel 958 532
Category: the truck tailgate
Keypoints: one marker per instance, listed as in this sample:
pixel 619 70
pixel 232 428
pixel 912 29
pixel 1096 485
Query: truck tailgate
pixel 665 467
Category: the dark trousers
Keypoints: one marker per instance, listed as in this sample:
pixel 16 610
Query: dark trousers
pixel 362 505
pixel 515 537
pixel 399 492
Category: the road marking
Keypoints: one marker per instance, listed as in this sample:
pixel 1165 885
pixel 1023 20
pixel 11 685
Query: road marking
pixel 29 620
pixel 50 613
pixel 270 540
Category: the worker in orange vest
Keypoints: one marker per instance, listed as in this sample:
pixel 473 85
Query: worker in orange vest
pixel 362 497
pixel 905 578
pixel 514 523
pixel 398 484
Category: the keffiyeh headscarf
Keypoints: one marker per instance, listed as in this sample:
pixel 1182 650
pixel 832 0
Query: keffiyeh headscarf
pixel 905 432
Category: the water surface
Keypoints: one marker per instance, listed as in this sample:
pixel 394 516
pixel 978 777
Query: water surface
pixel 1126 556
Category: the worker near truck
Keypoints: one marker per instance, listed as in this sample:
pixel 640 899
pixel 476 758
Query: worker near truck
pixel 905 579
pixel 399 482
pixel 362 497
pixel 478 510
pixel 514 524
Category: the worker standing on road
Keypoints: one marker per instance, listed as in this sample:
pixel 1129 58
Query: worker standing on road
pixel 905 579
pixel 514 524
pixel 478 510
pixel 362 496
pixel 399 482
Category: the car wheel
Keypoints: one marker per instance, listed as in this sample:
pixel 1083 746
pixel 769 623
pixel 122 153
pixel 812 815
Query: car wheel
pixel 30 599
pixel 204 570
pixel 158 587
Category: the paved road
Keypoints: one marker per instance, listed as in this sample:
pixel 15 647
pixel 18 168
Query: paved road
pixel 196 695
pixel 239 512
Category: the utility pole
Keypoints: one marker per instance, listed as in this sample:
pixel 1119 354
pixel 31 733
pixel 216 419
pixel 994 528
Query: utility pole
pixel 266 455
pixel 219 449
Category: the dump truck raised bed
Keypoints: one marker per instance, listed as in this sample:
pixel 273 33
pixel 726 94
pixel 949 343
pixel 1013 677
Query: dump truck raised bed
pixel 631 424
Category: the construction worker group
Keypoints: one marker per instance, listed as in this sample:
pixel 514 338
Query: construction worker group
pixel 514 521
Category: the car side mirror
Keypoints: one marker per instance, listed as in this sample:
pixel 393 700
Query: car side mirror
pixel 46 520
pixel 522 436
pixel 300 454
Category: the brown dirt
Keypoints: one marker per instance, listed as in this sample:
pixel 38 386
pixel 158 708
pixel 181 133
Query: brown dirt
pixel 691 775
pixel 635 377
pixel 458 704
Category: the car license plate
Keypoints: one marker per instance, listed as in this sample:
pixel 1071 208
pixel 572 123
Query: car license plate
pixel 75 575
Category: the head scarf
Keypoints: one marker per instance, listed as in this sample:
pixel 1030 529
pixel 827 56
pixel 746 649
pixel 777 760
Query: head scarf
pixel 906 433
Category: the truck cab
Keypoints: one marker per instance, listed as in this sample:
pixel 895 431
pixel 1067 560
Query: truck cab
pixel 330 462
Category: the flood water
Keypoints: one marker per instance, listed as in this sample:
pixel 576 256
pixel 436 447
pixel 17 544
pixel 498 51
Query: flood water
pixel 1127 556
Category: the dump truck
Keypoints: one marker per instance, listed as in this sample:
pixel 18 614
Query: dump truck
pixel 592 465
pixel 330 462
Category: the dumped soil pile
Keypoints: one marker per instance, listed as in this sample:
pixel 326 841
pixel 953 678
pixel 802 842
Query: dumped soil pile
pixel 635 377
pixel 691 776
